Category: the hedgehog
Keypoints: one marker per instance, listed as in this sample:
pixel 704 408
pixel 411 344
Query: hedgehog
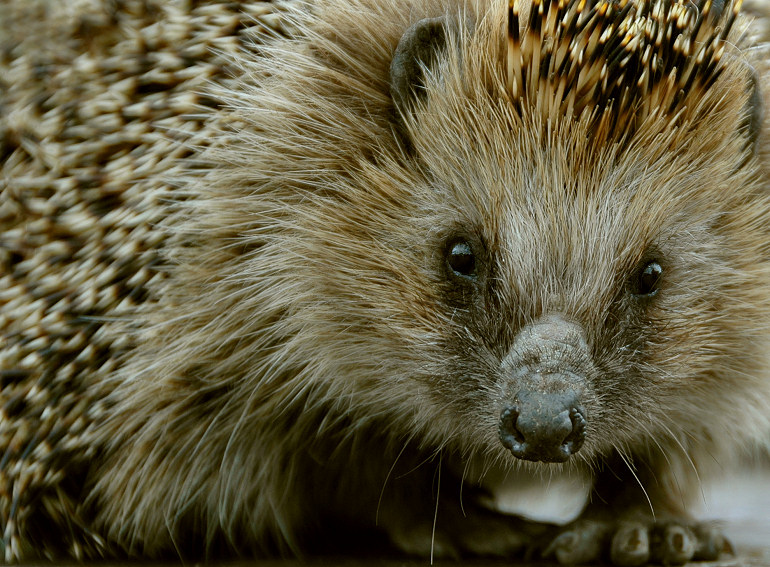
pixel 277 279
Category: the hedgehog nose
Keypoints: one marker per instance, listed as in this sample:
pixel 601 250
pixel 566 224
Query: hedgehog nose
pixel 543 427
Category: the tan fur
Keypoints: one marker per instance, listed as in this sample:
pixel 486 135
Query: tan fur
pixel 305 304
pixel 303 342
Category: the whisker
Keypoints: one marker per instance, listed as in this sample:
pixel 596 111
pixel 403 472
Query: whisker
pixel 632 470
pixel 385 482
pixel 435 513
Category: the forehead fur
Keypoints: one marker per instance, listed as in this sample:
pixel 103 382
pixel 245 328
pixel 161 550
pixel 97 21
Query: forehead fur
pixel 593 75
pixel 653 73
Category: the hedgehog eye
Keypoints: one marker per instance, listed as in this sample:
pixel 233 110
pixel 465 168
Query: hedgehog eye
pixel 649 279
pixel 461 259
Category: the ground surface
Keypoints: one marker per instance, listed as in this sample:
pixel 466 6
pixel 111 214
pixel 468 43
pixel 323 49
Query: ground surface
pixel 754 559
pixel 742 503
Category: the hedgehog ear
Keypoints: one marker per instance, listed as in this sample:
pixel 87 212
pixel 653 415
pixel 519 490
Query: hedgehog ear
pixel 419 47
pixel 751 124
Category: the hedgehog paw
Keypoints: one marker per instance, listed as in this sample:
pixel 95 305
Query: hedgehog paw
pixel 476 533
pixel 631 543
pixel 422 541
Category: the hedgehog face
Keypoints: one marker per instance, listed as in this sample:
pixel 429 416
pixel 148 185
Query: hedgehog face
pixel 589 267
pixel 591 316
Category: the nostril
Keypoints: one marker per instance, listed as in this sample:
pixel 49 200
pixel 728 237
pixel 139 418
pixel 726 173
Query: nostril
pixel 574 441
pixel 510 436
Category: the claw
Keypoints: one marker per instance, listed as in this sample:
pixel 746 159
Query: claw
pixel 675 545
pixel 727 547
pixel 710 543
pixel 630 546
pixel 583 543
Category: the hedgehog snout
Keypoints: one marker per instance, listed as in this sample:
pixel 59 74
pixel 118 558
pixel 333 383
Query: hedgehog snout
pixel 542 416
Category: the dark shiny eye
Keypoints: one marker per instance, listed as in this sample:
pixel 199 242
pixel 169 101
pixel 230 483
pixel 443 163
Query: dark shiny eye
pixel 461 259
pixel 649 279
